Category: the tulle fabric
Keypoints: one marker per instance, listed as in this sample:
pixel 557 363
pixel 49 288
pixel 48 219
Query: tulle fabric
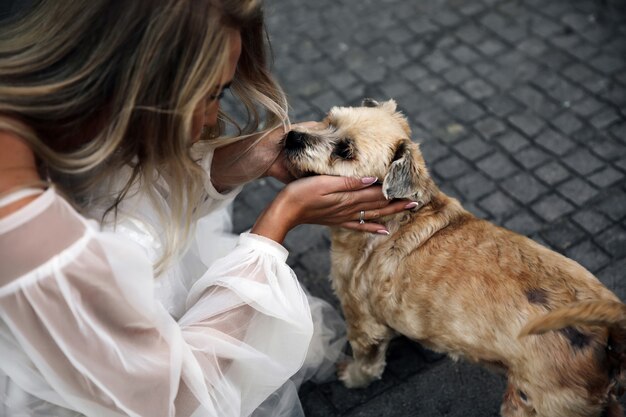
pixel 85 328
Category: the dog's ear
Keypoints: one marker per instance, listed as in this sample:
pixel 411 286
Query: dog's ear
pixel 369 102
pixel 389 105
pixel 407 176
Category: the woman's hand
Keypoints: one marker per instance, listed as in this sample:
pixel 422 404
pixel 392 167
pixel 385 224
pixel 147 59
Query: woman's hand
pixel 330 201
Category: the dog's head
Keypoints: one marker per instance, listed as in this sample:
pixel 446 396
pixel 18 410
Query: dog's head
pixel 371 140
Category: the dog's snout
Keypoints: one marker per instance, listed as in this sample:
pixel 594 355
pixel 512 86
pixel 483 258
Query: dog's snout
pixel 295 140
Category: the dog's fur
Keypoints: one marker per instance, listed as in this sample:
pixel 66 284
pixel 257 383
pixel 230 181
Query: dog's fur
pixel 459 284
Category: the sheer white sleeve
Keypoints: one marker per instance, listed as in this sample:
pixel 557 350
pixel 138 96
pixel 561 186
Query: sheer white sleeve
pixel 80 328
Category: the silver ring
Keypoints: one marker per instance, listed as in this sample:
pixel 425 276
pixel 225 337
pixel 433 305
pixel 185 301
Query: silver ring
pixel 361 217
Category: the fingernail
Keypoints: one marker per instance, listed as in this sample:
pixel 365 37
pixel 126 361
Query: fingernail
pixel 369 180
pixel 383 232
pixel 411 205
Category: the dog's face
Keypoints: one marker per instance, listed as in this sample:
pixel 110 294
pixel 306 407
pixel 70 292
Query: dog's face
pixel 368 141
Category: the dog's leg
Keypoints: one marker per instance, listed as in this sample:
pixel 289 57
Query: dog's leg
pixel 369 350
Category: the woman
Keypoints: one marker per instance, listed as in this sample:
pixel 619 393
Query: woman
pixel 133 313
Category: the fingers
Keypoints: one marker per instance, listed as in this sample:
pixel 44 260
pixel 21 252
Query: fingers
pixel 341 184
pixel 376 210
pixel 366 227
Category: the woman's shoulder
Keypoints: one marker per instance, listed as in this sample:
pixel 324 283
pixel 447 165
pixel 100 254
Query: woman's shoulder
pixel 48 237
pixel 17 170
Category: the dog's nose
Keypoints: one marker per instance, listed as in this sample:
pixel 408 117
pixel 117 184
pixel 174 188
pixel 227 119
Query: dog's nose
pixel 295 140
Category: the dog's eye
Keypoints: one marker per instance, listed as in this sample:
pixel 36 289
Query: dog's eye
pixel 344 149
pixel 522 396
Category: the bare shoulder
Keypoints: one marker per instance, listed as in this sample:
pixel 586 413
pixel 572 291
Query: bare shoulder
pixel 17 169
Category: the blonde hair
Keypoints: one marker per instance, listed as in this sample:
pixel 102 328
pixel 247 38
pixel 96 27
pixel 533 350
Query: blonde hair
pixel 96 85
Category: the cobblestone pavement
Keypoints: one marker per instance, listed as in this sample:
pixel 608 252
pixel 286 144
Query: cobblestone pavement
pixel 520 107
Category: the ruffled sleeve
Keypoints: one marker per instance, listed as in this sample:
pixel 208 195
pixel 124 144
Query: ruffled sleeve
pixel 85 333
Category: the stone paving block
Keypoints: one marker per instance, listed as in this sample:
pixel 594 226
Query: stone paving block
pixel 449 98
pixel 587 106
pixel 501 105
pixel 588 255
pixel 607 64
pixel 490 127
pixel 470 33
pixel 497 166
pixel 531 157
pixel 578 72
pixel 577 191
pixel 567 123
pixel 552 172
pixel 552 207
pixel 317 405
pixel 512 141
pixel 345 399
pixel 457 74
pixel 467 112
pixel 562 234
pixel 532 46
pixel 433 118
pixel 450 167
pixel 528 123
pixel 472 148
pixel 523 187
pixel 607 148
pixel 555 142
pixel 478 89
pixel 437 62
pixel 613 205
pixel 591 220
pixel 325 101
pixel 449 390
pixel 535 101
pixel 430 84
pixel 499 205
pixel 605 118
pixel 613 277
pixel 608 176
pixel 414 72
pixel 432 151
pixel 524 223
pixel 613 241
pixel 464 54
pixel 474 186
pixel 490 47
pixel 403 359
pixel 543 26
pixel 304 237
pixel 583 162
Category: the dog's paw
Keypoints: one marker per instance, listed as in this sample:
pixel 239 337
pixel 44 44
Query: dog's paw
pixel 352 375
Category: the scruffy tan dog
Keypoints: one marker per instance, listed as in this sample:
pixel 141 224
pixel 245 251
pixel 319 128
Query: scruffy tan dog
pixel 459 284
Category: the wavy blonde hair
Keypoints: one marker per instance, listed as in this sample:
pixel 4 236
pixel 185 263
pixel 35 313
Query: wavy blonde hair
pixel 96 85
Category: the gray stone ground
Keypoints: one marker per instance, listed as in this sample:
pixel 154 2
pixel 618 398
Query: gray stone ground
pixel 520 107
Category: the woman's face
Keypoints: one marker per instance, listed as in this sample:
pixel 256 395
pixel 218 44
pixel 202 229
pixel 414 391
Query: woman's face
pixel 206 113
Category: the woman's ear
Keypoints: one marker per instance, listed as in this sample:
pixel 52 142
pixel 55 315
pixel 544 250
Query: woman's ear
pixel 407 176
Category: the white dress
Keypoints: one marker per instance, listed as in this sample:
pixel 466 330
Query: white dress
pixel 86 329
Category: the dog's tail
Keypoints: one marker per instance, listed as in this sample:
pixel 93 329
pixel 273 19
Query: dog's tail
pixel 600 313
pixel 605 313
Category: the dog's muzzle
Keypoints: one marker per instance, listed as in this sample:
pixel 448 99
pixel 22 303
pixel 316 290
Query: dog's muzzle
pixel 295 141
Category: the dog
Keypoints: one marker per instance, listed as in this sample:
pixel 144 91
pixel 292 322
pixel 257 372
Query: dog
pixel 459 284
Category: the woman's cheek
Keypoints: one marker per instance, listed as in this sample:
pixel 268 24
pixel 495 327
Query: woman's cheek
pixel 210 115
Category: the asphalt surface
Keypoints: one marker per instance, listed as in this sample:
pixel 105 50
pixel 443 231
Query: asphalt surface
pixel 520 107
